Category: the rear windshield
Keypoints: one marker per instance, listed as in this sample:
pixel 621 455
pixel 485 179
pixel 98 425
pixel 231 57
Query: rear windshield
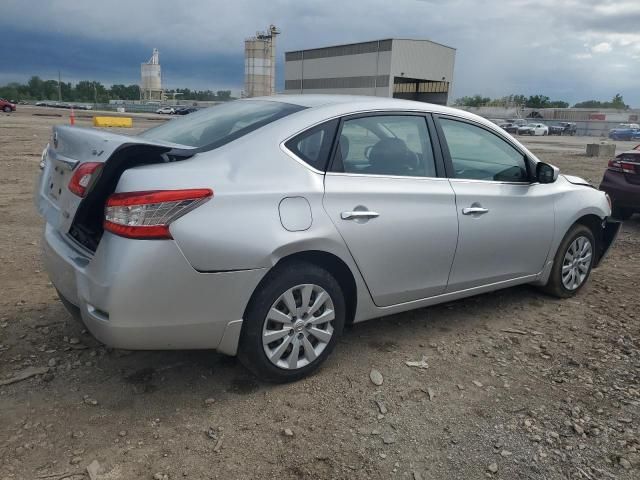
pixel 212 127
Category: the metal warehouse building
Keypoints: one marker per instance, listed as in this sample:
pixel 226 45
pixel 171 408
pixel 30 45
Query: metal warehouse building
pixel 411 69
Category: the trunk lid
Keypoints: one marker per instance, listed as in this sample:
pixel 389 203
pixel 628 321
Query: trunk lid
pixel 72 146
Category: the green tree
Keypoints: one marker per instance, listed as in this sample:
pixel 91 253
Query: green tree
pixel 618 102
pixel 223 95
pixel 475 101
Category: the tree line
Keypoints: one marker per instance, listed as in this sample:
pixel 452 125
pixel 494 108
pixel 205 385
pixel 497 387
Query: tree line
pixel 90 91
pixel 536 101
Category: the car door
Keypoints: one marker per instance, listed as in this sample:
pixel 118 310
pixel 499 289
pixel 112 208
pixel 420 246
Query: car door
pixel 506 218
pixel 388 197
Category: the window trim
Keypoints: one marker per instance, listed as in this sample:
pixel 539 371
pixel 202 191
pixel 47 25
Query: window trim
pixel 449 163
pixel 433 140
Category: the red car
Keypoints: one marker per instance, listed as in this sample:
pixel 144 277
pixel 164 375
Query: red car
pixel 622 182
pixel 6 106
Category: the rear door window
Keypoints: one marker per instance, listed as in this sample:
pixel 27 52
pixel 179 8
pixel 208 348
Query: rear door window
pixel 395 145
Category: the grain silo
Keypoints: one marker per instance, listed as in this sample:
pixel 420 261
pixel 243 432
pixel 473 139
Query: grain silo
pixel 260 63
pixel 151 85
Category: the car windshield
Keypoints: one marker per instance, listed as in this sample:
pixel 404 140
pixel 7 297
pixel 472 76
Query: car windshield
pixel 215 126
pixel 532 125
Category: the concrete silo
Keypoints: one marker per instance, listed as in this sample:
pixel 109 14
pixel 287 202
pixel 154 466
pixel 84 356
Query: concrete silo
pixel 151 76
pixel 260 64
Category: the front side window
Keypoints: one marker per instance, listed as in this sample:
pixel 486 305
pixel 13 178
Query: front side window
pixel 215 126
pixel 478 154
pixel 397 145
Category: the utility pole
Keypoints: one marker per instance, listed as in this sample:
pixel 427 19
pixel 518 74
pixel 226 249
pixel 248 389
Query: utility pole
pixel 59 88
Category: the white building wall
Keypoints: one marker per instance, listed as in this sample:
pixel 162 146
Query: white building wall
pixel 422 59
pixel 419 59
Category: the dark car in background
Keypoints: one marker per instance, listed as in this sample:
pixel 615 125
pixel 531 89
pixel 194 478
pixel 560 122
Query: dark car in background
pixel 185 111
pixel 509 127
pixel 7 106
pixel 563 128
pixel 622 182
pixel 625 131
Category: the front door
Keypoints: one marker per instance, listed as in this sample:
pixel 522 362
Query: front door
pixel 506 218
pixel 396 216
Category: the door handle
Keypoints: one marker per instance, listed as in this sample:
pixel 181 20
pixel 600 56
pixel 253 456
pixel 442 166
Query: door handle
pixel 474 210
pixel 358 214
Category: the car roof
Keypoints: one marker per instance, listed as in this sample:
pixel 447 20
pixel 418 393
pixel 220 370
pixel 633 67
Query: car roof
pixel 370 102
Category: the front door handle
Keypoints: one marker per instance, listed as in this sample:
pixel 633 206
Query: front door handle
pixel 474 210
pixel 358 214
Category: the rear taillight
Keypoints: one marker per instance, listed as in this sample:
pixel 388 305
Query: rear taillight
pixel 628 167
pixel 615 165
pixel 147 215
pixel 619 165
pixel 82 177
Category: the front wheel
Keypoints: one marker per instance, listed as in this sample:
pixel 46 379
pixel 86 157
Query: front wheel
pixel 7 109
pixel 572 263
pixel 292 322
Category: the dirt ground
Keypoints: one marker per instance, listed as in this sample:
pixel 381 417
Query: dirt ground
pixel 518 386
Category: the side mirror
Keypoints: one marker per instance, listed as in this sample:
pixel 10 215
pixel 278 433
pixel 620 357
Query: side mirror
pixel 546 173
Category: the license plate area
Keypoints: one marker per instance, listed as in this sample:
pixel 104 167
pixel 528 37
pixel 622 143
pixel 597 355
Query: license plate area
pixel 57 182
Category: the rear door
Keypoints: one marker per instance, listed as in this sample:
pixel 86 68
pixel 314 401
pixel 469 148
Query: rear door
pixel 386 194
pixel 506 218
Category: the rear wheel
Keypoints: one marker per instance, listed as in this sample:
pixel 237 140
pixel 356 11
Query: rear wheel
pixel 292 323
pixel 572 263
pixel 7 109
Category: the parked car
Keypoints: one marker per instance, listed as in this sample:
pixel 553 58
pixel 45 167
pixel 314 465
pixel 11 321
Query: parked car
pixel 261 227
pixel 625 131
pixel 509 127
pixel 521 122
pixel 533 129
pixel 563 128
pixel 166 110
pixel 185 110
pixel 7 106
pixel 622 182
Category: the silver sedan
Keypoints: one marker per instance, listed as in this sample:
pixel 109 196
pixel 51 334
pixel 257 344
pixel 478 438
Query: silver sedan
pixel 261 227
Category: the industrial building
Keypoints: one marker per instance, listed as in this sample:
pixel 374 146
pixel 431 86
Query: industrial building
pixel 419 70
pixel 151 78
pixel 260 63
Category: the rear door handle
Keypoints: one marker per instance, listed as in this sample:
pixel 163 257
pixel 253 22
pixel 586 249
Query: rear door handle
pixel 358 214
pixel 474 210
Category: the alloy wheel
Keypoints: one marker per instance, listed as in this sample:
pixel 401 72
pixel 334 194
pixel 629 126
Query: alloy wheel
pixel 576 263
pixel 298 326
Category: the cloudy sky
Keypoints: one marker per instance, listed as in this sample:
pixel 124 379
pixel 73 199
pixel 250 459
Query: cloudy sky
pixel 567 49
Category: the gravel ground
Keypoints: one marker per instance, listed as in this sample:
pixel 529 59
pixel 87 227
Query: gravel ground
pixel 514 384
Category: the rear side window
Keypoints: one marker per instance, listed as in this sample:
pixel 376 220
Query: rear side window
pixel 314 145
pixel 215 126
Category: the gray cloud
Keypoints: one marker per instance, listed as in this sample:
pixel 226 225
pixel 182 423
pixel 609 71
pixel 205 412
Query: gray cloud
pixel 551 47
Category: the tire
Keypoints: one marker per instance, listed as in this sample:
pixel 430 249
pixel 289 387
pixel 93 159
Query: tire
pixel 556 286
pixel 259 321
pixel 6 109
pixel 621 213
pixel 73 310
